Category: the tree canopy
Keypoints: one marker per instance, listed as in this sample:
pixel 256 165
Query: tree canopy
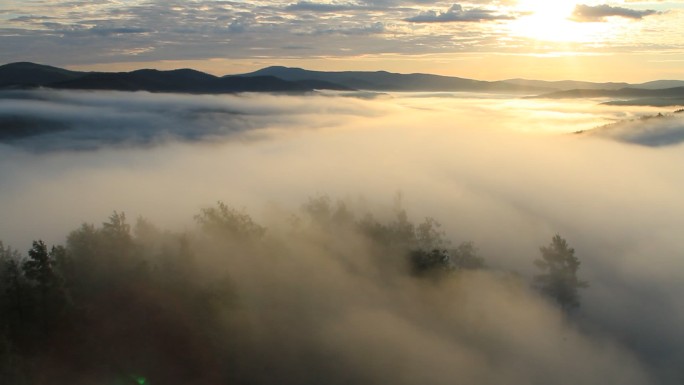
pixel 127 304
pixel 558 278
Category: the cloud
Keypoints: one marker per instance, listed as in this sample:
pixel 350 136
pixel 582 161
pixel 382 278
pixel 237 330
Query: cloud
pixel 203 29
pixel 30 19
pixel 375 28
pixel 324 7
pixel 456 13
pixel 501 173
pixel 51 120
pixel 107 31
pixel 238 26
pixel 588 13
pixel 150 31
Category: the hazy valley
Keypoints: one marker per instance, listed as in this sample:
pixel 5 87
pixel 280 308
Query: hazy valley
pixel 309 278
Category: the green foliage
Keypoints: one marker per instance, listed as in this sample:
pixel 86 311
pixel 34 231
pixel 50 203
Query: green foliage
pixel 433 262
pixel 398 235
pixel 321 212
pixel 123 305
pixel 429 236
pixel 39 267
pixel 7 253
pixel 13 287
pixel 13 306
pixel 424 246
pixel 117 229
pixel 559 268
pixel 10 261
pixel 224 221
pixel 465 257
pixel 436 262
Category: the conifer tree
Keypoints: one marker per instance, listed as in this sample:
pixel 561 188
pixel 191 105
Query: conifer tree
pixel 559 268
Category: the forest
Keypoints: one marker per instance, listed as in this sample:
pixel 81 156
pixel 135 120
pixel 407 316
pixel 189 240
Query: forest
pixel 135 304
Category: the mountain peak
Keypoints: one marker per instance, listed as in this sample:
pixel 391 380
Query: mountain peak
pixel 27 73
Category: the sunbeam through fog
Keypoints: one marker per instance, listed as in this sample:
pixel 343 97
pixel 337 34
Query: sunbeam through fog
pixel 505 174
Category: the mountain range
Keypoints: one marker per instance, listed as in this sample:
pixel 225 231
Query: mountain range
pixel 31 75
pixel 284 79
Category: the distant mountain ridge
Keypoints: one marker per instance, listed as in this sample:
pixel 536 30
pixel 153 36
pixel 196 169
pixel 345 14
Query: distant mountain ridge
pixel 287 79
pixel 628 96
pixel 565 85
pixel 628 92
pixel 187 81
pixel 388 81
pixel 31 75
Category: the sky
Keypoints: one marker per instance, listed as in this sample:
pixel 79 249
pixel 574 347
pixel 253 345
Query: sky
pixel 628 40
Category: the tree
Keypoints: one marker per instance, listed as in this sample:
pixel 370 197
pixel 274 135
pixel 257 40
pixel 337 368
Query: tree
pixel 429 236
pixel 14 296
pixel 225 221
pixel 40 270
pixel 434 263
pixel 466 257
pixel 39 267
pixel 117 229
pixel 559 268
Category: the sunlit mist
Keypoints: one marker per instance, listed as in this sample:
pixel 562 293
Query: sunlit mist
pixel 313 182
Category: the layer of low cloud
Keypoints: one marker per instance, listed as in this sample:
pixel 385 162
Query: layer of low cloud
pixel 506 174
pixel 588 13
pixel 654 131
pixel 54 121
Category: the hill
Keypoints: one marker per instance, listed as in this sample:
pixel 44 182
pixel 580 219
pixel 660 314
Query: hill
pixel 626 96
pixel 286 79
pixel 627 92
pixel 29 75
pixel 660 84
pixel 566 85
pixel 389 81
pixel 25 74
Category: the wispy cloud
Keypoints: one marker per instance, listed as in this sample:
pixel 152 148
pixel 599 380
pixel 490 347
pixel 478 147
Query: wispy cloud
pixel 105 31
pixel 456 13
pixel 324 7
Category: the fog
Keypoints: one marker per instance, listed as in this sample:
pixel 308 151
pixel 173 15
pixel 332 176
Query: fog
pixel 649 130
pixel 506 174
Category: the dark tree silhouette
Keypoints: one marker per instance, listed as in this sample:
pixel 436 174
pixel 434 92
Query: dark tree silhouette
pixel 15 304
pixel 40 265
pixel 438 261
pixel 434 262
pixel 39 269
pixel 559 268
pixel 117 305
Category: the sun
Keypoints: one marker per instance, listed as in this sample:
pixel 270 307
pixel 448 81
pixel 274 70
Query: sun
pixel 557 9
pixel 547 20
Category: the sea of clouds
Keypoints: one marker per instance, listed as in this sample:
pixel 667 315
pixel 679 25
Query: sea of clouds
pixel 504 173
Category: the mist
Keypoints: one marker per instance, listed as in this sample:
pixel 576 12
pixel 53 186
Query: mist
pixel 506 174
